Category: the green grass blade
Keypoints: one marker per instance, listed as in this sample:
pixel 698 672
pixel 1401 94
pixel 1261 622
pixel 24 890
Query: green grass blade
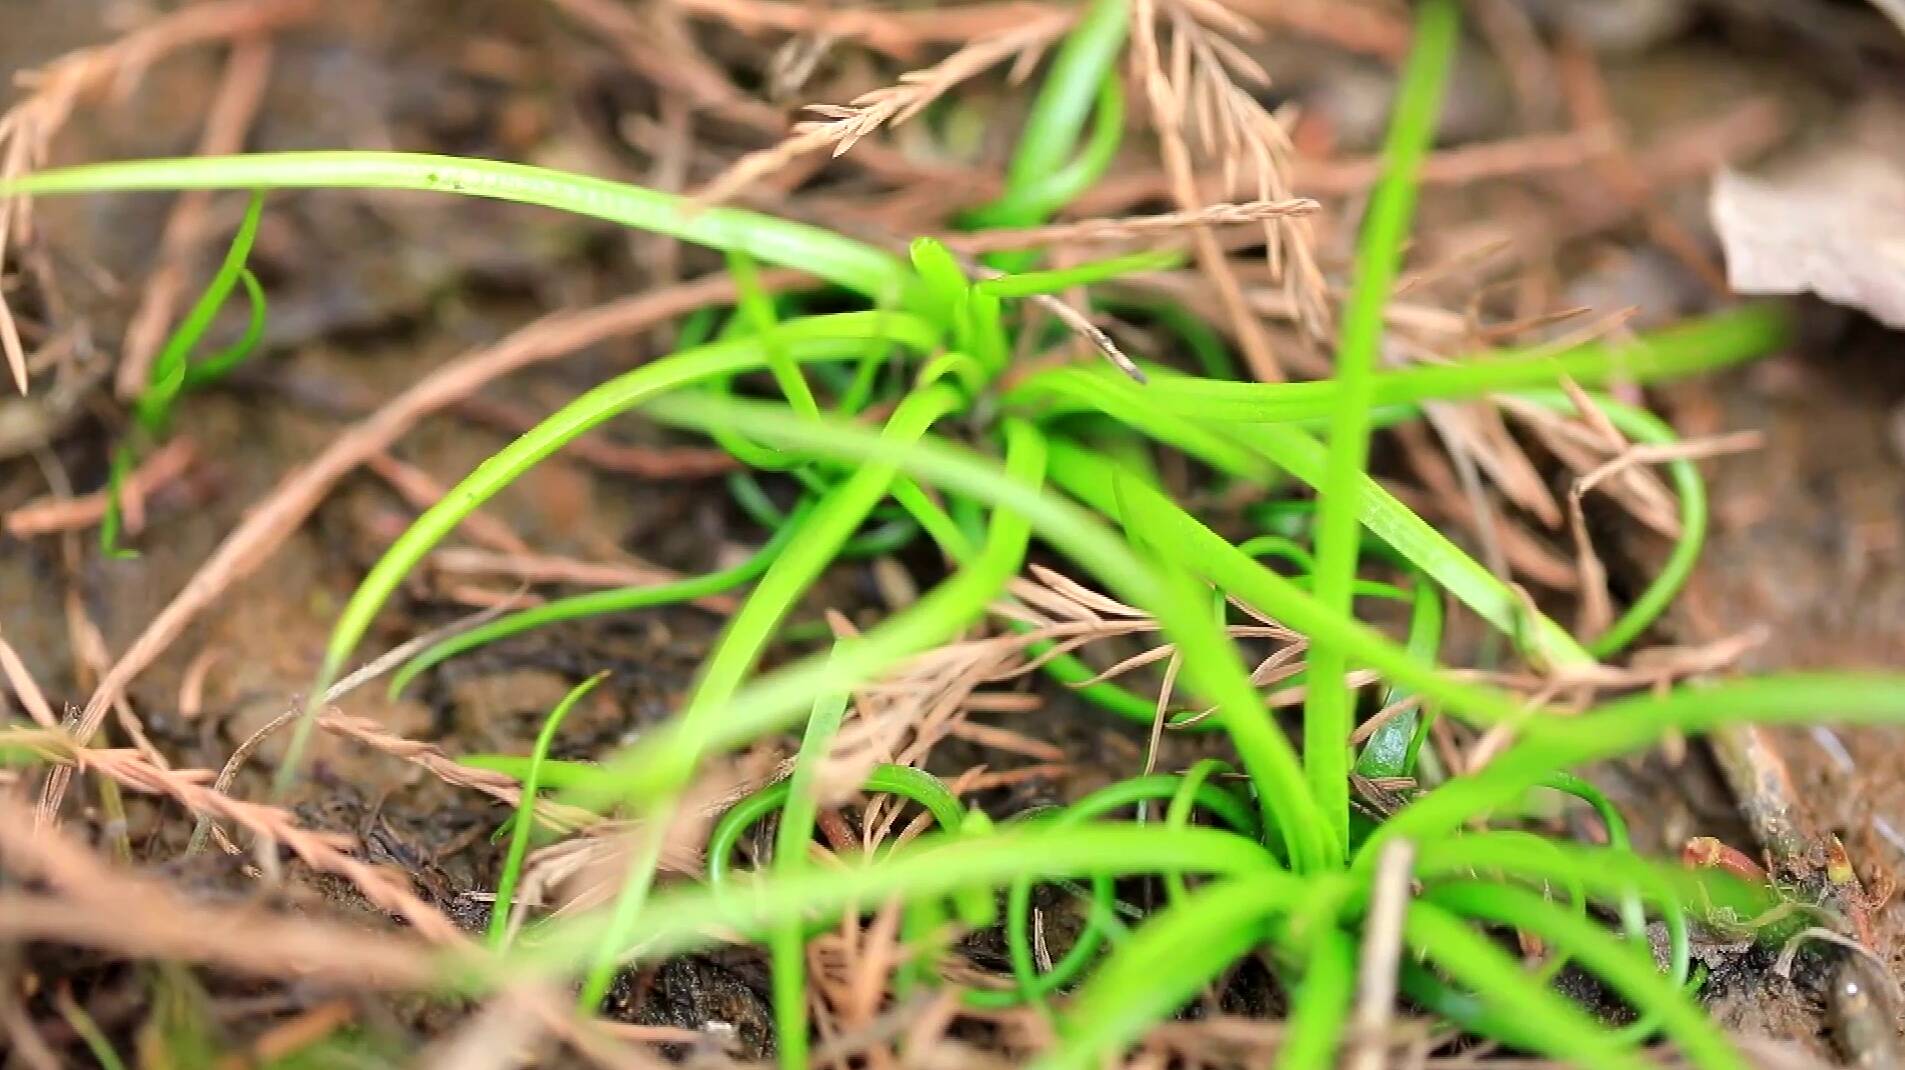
pixel 1027 204
pixel 787 944
pixel 220 364
pixel 667 756
pixel 757 310
pixel 1564 1031
pixel 1065 98
pixel 1064 390
pixel 170 367
pixel 1628 969
pixel 1643 426
pixel 839 260
pixel 1230 449
pixel 596 603
pixel 1267 756
pixel 525 824
pixel 1058 280
pixel 1185 615
pixel 1328 708
pixel 1320 1004
pixel 1699 345
pixel 933 866
pixel 1632 724
pixel 1083 473
pixel 1539 638
pixel 816 338
pixel 833 521
pixel 1607 874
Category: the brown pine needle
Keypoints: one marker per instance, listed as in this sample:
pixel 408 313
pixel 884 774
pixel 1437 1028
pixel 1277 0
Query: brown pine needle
pixel 901 34
pixel 1127 227
pixel 49 516
pixel 841 126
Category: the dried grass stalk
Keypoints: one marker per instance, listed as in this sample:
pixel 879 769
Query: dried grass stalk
pixel 841 126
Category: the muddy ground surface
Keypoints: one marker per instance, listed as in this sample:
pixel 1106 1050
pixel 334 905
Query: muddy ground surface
pixel 368 292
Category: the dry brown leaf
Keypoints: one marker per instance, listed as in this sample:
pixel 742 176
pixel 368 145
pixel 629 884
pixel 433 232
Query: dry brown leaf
pixel 1832 223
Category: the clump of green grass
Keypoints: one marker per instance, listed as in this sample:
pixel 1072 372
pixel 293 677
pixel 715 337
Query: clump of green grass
pixel 1281 864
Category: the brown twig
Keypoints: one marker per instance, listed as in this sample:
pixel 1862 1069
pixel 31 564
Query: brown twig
pixel 266 526
pixel 548 568
pixel 1367 29
pixel 1124 228
pixel 420 491
pixel 161 925
pixel 1515 157
pixel 642 39
pixel 23 684
pixel 386 889
pixel 1585 90
pixel 51 516
pixel 1382 952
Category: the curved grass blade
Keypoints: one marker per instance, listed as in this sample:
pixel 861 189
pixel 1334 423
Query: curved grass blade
pixel 1328 707
pixel 1629 970
pixel 1299 453
pixel 1084 474
pixel 598 603
pixel 1645 427
pixel 833 337
pixel 1320 1003
pixel 1632 724
pixel 748 633
pixel 839 260
pixel 1210 668
pixel 934 866
pixel 524 826
pixel 1564 1031
pixel 172 371
pixel 1698 345
pixel 787 964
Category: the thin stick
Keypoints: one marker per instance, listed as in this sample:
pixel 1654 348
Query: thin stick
pixel 1127 227
pixel 841 127
pixel 371 671
pixel 17 676
pixel 51 516
pixel 420 490
pixel 1382 952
